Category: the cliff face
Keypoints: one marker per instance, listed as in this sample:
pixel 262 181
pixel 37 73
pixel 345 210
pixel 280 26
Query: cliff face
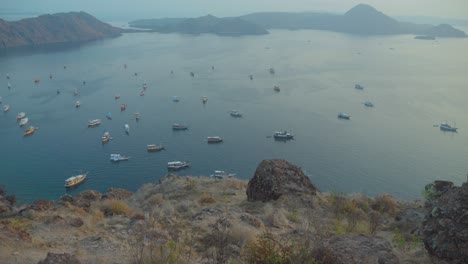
pixel 55 28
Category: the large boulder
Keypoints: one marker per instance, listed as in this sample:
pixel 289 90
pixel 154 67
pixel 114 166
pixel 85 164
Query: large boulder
pixel 57 258
pixel 274 178
pixel 445 227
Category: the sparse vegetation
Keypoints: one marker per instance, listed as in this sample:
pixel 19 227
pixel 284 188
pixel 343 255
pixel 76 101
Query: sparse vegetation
pixel 116 207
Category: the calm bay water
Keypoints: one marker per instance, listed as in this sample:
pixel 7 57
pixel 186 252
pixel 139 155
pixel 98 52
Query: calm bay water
pixel 391 148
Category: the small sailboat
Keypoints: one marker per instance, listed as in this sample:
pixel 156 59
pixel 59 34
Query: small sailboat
pixel 109 115
pixel 127 128
pixel 23 121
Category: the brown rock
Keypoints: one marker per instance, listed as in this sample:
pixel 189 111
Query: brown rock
pixel 42 205
pixel 274 178
pixel 57 258
pixel 76 222
pixel 118 194
pixel 86 198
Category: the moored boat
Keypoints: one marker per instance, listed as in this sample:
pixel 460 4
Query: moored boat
pixel 20 115
pixel 179 127
pixel 127 128
pixel 95 122
pixel 175 99
pixel 118 157
pixel 177 165
pixel 117 96
pixel 359 87
pixel 6 108
pixel 154 148
pixel 142 93
pixel 214 139
pixel 106 137
pixel 204 99
pixel 235 113
pixel 219 174
pixel 272 71
pixel 137 116
pixel 37 80
pixel 446 127
pixel 77 104
pixel 75 92
pixel 109 115
pixel 368 104
pixel 283 135
pixel 251 77
pixel 123 107
pixel 29 131
pixel 343 116
pixel 276 88
pixel 23 121
pixel 75 180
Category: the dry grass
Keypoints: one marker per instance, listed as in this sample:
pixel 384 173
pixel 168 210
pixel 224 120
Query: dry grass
pixel 206 198
pixel 116 207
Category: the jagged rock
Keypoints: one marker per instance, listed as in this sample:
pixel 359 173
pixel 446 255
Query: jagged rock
pixel 359 249
pixel 274 178
pixel 66 198
pixel 118 194
pixel 42 205
pixel 445 227
pixel 85 198
pixel 76 222
pixel 57 258
pixel 5 206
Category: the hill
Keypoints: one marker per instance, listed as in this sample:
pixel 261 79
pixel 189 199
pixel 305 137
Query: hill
pixel 201 25
pixel 53 29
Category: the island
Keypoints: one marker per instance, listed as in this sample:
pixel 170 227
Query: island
pixel 60 28
pixel 201 25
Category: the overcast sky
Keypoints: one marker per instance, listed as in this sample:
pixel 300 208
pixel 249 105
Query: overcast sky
pixel 182 8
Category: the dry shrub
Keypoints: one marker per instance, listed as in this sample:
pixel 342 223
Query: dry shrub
pixel 156 199
pixel 240 234
pixel 386 203
pixel 115 207
pixel 375 219
pixel 79 211
pixel 190 185
pixel 277 218
pixel 206 198
pixel 96 216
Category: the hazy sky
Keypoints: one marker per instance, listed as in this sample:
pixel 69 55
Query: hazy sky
pixel 178 8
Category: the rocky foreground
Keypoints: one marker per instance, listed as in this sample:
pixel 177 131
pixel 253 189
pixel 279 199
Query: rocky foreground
pixel 279 216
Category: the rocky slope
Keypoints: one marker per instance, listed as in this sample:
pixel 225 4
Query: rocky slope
pixel 205 220
pixel 52 29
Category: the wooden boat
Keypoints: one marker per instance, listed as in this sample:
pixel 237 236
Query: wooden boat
pixel 29 131
pixel 75 180
pixel 105 138
pixel 20 115
pixel 154 148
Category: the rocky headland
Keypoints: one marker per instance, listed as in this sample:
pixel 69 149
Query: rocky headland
pixel 60 28
pixel 279 216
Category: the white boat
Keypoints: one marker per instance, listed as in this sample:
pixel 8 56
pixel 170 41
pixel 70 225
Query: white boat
pixel 214 139
pixel 177 165
pixel 23 121
pixel 6 108
pixel 75 92
pixel 343 116
pixel 368 104
pixel 77 104
pixel 127 128
pixel 75 180
pixel 106 137
pixel 235 113
pixel 219 174
pixel 283 135
pixel 20 115
pixel 446 127
pixel 179 127
pixel 154 148
pixel 95 122
pixel 137 116
pixel 118 157
pixel 204 99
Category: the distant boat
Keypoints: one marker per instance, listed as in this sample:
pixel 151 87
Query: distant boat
pixel 368 104
pixel 214 139
pixel 142 93
pixel 58 91
pixel 20 115
pixel 192 74
pixel 118 157
pixel 109 115
pixel 1 100
pixel 127 128
pixel 359 87
pixel 106 137
pixel 145 86
pixel 9 85
pixel 446 127
pixel 23 121
pixel 77 104
pixel 75 92
pixel 283 135
pixel 204 99
pixel 75 180
pixel 272 71
pixel 251 77
pixel 179 127
pixel 219 174
pixel 175 99
pixel 343 116
pixel 154 148
pixel 117 96
pixel 37 80
pixel 50 76
pixel 276 88
pixel 94 123
pixel 177 165
pixel 137 116
pixel 235 113
pixel 8 76
pixel 6 108
pixel 29 131
pixel 123 107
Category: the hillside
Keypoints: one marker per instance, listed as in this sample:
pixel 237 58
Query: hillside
pixel 205 24
pixel 278 214
pixel 361 19
pixel 52 29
